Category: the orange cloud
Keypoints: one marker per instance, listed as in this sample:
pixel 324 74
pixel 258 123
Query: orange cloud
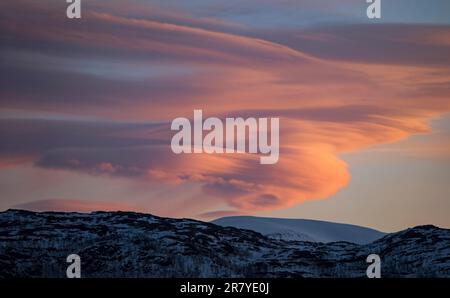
pixel 329 103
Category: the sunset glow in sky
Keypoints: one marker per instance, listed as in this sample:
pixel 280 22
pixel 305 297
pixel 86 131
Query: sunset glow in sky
pixel 86 107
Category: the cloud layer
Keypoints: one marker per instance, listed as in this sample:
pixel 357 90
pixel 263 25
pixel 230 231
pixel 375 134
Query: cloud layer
pixel 133 69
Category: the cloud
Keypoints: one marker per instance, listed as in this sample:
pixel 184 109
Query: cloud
pixel 398 44
pixel 66 205
pixel 336 90
pixel 29 138
pixel 218 214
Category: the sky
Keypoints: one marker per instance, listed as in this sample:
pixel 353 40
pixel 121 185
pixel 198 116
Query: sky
pixel 364 107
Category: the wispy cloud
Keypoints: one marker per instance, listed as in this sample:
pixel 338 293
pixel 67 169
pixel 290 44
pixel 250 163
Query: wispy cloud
pixel 337 89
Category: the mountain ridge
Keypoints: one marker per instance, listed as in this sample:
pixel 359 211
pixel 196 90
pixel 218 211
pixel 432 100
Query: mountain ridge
pixel 130 244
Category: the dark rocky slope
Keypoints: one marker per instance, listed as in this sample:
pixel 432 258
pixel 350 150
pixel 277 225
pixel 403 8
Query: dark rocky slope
pixel 126 244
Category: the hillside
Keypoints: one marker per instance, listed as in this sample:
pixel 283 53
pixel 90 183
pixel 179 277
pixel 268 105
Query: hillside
pixel 126 244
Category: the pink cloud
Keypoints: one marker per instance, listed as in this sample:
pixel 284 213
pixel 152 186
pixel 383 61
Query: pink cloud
pixel 349 99
pixel 66 205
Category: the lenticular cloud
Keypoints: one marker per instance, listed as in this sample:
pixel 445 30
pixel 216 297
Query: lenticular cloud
pixel 138 71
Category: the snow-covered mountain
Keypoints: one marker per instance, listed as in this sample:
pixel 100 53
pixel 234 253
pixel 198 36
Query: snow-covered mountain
pixel 127 244
pixel 302 229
